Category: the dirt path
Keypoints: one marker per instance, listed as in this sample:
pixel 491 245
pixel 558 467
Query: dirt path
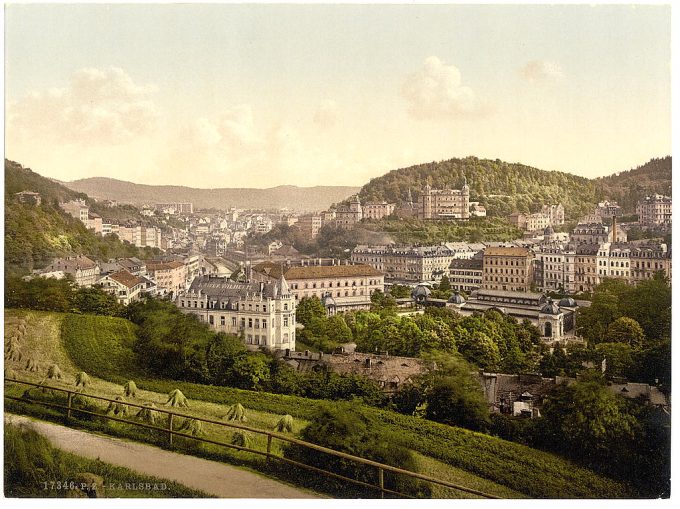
pixel 208 476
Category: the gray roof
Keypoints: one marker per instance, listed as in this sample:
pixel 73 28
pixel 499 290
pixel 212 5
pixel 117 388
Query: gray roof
pixel 223 287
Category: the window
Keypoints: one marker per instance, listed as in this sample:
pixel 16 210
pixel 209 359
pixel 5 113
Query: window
pixel 250 323
pixel 233 321
pixel 285 307
pixel 222 320
pixel 264 324
pixel 211 319
pixel 257 323
pixel 243 323
pixel 285 321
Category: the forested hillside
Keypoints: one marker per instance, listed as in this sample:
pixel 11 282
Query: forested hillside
pixel 502 187
pixel 627 187
pixel 36 234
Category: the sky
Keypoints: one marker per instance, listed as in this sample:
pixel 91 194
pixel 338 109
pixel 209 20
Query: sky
pixel 265 95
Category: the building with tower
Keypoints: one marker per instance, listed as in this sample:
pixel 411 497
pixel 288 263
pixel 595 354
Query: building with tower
pixel 262 314
pixel 445 203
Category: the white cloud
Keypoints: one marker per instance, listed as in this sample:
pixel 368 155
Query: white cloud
pixel 539 71
pixel 327 114
pixel 436 91
pixel 100 106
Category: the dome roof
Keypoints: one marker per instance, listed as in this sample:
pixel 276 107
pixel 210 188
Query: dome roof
pixel 568 302
pixel 550 308
pixel 420 293
pixel 549 231
pixel 456 298
pixel 328 301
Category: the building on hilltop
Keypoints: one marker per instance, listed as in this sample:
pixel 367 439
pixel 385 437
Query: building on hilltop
pixel 654 210
pixel 28 197
pixel 347 215
pixel 377 210
pixel 262 314
pixel 445 203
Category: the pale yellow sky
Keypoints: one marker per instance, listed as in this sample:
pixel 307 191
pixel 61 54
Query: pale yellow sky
pixel 258 96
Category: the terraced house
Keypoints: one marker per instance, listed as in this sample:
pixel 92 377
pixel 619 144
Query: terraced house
pixel 126 287
pixel 263 314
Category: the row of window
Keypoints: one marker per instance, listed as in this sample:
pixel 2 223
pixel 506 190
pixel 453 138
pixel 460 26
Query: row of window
pixel 298 286
pixel 516 262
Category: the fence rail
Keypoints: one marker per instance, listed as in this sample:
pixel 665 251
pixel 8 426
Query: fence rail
pixel 381 468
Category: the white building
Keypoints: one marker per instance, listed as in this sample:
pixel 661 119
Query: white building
pixel 654 210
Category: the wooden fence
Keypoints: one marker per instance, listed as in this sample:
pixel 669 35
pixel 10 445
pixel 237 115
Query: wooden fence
pixel 381 468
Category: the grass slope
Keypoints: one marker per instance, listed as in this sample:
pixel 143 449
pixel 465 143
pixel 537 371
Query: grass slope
pixel 93 346
pixel 31 461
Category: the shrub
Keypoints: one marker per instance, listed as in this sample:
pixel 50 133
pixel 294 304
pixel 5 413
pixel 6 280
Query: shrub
pixel 236 412
pixel 242 439
pixel 148 414
pixel 117 408
pixel 54 373
pixel 32 365
pixel 285 424
pixel 346 428
pixel 83 379
pixel 177 399
pixel 130 389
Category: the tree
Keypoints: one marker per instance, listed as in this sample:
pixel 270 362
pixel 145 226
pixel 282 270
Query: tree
pixel 222 352
pixel 587 418
pixel 625 330
pixel 619 358
pixel 444 284
pixel 309 308
pixel 458 400
pixel 251 371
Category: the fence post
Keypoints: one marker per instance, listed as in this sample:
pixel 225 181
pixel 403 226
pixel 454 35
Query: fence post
pixel 381 482
pixel 170 427
pixel 70 398
pixel 269 447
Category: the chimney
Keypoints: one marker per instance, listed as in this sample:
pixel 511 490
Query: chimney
pixel 613 228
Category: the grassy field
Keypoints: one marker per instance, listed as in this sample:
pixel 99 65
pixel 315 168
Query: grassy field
pixel 35 469
pixel 101 347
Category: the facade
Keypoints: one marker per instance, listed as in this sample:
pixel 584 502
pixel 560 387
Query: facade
pixel 141 236
pixel 177 207
pixel 262 314
pixel 340 287
pixel 377 210
pixel 406 264
pixel 77 209
pixel 613 261
pixel 309 225
pixel 84 271
pixel 445 203
pixel 586 267
pixel 648 259
pixel 555 213
pixel 654 210
pixel 607 209
pixel 477 210
pixel 465 275
pixel 538 221
pixel 28 197
pixel 169 276
pixel 508 269
pixel 94 222
pixel 124 286
pixel 557 267
pixel 590 233
pixel 347 215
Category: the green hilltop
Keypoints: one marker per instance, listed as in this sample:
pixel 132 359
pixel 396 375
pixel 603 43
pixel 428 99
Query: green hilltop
pixel 34 235
pixel 505 188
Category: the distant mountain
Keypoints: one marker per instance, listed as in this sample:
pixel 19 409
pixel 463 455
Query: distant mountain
pixel 292 197
pixel 505 188
pixel 627 187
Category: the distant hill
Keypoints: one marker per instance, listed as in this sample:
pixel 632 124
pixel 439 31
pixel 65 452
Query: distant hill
pixel 627 187
pixel 292 197
pixel 502 187
pixel 36 234
pixel 505 188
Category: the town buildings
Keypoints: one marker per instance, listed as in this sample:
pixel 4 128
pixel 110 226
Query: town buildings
pixel 507 268
pixel 654 210
pixel 126 287
pixel 347 215
pixel 445 203
pixel 176 208
pixel 309 225
pixel 170 277
pixel 82 269
pixel 377 210
pixel 340 287
pixel 465 275
pixel 263 314
pixel 608 209
pixel 406 264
